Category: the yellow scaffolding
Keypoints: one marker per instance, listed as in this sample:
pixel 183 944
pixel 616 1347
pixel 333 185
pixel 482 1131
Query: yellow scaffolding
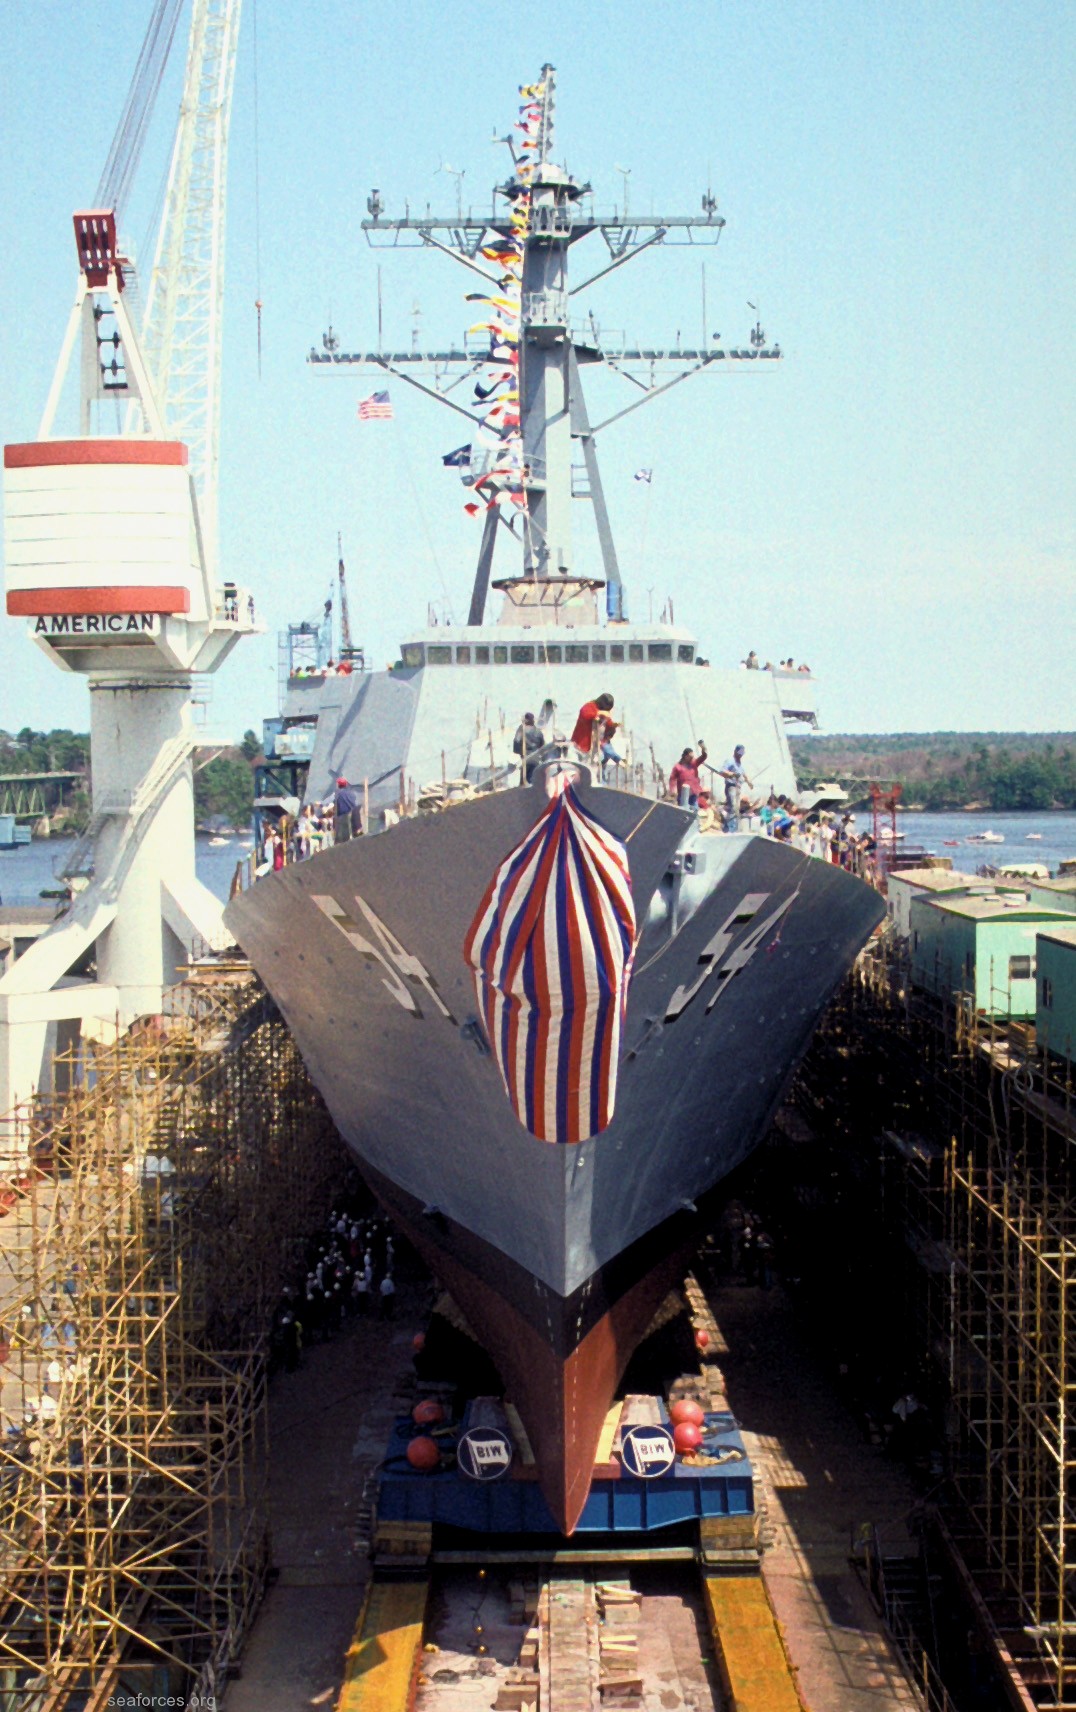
pixel 991 1224
pixel 143 1248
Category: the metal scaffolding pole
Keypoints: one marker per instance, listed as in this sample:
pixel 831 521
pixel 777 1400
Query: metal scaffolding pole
pixel 979 1200
pixel 141 1258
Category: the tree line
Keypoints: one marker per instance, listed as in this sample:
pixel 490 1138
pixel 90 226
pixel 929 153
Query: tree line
pixel 1029 771
pixel 223 787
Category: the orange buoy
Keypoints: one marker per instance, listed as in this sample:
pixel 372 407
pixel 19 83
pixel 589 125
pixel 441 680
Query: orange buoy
pixel 423 1454
pixel 702 1338
pixel 428 1413
pixel 686 1409
pixel 687 1436
pixel 418 1342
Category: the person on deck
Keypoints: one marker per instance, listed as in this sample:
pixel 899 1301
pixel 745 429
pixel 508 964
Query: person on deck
pixel 595 726
pixel 684 782
pixel 526 743
pixel 304 833
pixel 346 805
pixel 735 778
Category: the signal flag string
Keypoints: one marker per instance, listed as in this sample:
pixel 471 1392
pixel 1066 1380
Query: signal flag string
pixel 505 475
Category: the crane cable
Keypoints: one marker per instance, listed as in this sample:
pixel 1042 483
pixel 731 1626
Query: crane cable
pixel 125 153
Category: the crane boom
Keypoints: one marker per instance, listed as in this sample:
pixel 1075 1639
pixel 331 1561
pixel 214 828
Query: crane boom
pixel 182 323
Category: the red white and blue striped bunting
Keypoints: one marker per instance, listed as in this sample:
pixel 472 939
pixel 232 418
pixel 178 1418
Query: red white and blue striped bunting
pixel 551 950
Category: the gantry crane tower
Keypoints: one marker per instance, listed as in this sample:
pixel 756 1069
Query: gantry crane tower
pixel 111 554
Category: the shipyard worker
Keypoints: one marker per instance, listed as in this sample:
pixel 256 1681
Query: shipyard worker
pixel 684 782
pixel 752 661
pixel 346 809
pixel 735 778
pixel 387 1293
pixel 593 724
pixel 526 743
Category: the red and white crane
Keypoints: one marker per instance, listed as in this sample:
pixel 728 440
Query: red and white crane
pixel 112 558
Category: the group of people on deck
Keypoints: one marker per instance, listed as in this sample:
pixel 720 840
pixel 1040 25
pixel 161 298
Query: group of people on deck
pixel 827 836
pixel 788 665
pixel 595 729
pixel 317 826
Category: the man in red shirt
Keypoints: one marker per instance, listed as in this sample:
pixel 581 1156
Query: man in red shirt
pixel 594 722
pixel 684 782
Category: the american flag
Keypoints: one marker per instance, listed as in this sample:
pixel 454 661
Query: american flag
pixel 376 408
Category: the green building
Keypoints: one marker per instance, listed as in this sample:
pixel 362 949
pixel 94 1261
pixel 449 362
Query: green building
pixel 906 883
pixel 1055 1013
pixel 1057 894
pixel 984 946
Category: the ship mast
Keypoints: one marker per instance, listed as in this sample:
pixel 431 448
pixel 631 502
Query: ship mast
pixel 545 348
pixel 553 411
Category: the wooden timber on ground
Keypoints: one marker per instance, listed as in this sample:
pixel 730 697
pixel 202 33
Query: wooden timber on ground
pixel 383 1658
pixel 751 1658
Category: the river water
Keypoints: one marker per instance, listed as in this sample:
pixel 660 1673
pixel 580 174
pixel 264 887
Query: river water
pixel 947 835
pixel 24 872
pixel 30 868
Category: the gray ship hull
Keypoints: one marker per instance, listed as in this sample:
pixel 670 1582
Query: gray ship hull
pixel 742 941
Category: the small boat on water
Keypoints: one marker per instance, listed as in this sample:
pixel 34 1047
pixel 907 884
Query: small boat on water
pixel 951 843
pixel 1037 836
pixel 986 838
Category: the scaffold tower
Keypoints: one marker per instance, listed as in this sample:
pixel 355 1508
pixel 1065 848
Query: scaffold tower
pixel 142 1253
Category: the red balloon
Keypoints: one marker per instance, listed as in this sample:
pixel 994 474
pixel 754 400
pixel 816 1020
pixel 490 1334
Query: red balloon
pixel 428 1413
pixel 702 1338
pixel 423 1454
pixel 686 1436
pixel 418 1342
pixel 686 1409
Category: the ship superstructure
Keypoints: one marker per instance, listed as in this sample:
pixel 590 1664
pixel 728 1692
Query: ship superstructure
pixel 548 1017
pixel 452 703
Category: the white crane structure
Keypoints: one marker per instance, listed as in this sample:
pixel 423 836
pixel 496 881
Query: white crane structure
pixel 111 555
pixel 181 328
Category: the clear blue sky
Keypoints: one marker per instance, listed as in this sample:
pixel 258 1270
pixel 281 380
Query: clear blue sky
pixel 894 504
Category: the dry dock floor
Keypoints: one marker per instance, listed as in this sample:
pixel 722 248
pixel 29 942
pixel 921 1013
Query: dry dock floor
pixel 329 1423
pixel 819 1481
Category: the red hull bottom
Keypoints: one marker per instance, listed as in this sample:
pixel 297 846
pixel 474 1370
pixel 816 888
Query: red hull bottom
pixel 562 1401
